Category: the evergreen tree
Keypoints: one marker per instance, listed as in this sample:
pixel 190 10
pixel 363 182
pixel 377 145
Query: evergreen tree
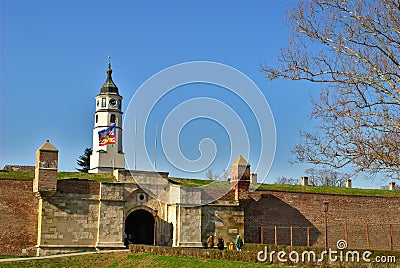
pixel 84 160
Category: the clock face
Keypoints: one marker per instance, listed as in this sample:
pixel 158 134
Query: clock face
pixel 113 102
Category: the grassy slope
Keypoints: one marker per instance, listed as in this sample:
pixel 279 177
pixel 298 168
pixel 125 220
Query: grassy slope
pixel 126 259
pixel 328 190
pixel 108 177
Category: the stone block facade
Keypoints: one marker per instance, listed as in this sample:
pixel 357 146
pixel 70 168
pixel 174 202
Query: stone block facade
pixel 50 216
pixel 67 219
pixel 223 218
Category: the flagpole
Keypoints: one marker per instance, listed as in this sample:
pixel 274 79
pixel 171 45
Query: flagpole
pixel 155 150
pixel 113 163
pixel 134 152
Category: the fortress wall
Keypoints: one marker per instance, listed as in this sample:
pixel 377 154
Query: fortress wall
pixel 78 186
pixel 225 221
pixel 18 216
pixel 362 221
pixel 68 221
pixel 69 216
pixel 111 218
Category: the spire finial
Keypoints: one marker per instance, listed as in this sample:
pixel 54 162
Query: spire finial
pixel 109 86
pixel 109 71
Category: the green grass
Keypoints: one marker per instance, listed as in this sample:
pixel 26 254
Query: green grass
pixel 100 177
pixel 17 175
pixel 189 182
pixel 198 183
pixel 127 259
pixel 291 188
pixel 109 177
pixel 11 256
pixel 328 190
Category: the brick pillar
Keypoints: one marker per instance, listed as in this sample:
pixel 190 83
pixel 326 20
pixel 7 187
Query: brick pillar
pixel 240 177
pixel 46 168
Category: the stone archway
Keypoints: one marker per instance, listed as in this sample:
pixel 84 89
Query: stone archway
pixel 139 227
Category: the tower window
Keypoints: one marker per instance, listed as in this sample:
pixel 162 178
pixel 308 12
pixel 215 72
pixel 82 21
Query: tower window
pixel 119 104
pixel 97 102
pixel 103 102
pixel 97 118
pixel 112 118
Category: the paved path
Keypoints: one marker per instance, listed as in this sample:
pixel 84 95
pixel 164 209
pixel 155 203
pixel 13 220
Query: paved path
pixel 60 255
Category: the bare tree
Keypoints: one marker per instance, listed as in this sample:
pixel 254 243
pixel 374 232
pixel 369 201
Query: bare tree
pixel 224 176
pixel 324 177
pixel 210 174
pixel 285 180
pixel 352 48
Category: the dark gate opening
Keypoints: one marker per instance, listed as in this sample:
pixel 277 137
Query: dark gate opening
pixel 139 227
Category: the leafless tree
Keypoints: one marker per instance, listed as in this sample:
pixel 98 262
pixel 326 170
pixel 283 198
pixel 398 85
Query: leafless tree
pixel 210 174
pixel 285 180
pixel 324 177
pixel 352 49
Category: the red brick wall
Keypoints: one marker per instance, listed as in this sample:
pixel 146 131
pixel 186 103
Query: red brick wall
pixel 78 186
pixel 348 217
pixel 18 216
pixel 45 171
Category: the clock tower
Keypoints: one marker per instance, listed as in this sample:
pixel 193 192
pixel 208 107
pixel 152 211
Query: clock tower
pixel 107 157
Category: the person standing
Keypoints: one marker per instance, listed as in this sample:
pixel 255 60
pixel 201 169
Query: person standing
pixel 221 243
pixel 239 243
pixel 210 241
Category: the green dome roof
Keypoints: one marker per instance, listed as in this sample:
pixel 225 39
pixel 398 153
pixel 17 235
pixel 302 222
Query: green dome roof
pixel 109 86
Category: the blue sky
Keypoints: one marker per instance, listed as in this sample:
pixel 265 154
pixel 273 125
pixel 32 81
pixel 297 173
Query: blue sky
pixel 54 58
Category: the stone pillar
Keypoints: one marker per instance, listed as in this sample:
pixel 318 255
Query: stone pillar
pixel 304 181
pixel 111 217
pixel 348 183
pixel 189 227
pixel 392 186
pixel 46 168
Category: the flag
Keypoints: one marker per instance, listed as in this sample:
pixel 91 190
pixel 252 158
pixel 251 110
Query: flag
pixel 107 136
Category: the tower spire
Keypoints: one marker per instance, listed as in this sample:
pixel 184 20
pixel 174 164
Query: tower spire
pixel 109 86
